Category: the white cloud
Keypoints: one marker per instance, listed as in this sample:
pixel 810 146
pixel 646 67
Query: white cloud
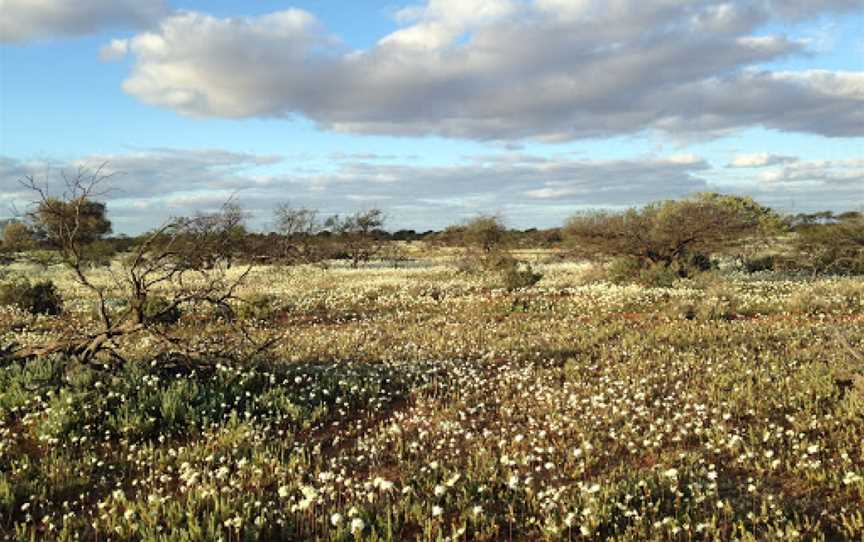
pixel 550 70
pixel 759 159
pixel 828 174
pixel 116 49
pixel 149 186
pixel 25 20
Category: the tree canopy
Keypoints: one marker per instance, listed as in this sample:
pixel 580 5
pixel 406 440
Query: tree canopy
pixel 666 232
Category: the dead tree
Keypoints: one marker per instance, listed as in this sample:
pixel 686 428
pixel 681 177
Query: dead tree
pixel 182 264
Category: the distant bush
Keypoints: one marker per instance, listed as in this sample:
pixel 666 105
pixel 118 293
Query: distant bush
pixel 520 275
pixel 39 298
pixel 760 263
pixel 258 307
pixel 99 253
pixel 627 270
pixel 833 248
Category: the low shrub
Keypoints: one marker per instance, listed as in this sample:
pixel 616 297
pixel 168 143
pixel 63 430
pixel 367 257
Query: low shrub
pixel 519 275
pixel 658 276
pixel 258 307
pixel 158 310
pixel 39 298
pixel 760 263
pixel 624 270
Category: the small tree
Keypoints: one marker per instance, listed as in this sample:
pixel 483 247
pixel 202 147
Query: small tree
pixel 485 233
pixel 299 243
pixel 833 246
pixel 17 237
pixel 358 233
pixel 670 234
pixel 183 263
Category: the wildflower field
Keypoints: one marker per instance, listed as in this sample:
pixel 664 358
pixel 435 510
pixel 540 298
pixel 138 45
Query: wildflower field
pixel 427 404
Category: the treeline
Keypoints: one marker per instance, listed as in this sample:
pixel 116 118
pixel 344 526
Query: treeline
pixel 300 235
pixel 657 243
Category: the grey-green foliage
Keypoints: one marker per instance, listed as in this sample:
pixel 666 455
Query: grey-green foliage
pixel 35 298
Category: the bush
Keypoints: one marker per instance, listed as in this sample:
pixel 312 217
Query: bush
pixel 158 310
pixel 39 298
pixel 760 263
pixel 624 270
pixel 518 276
pixel 99 253
pixel 627 270
pixel 830 249
pixel 658 276
pixel 258 307
pixel 719 303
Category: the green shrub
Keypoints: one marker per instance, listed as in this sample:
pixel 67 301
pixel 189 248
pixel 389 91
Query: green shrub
pixel 624 270
pixel 99 253
pixel 39 298
pixel 658 276
pixel 158 310
pixel 258 307
pixel 629 269
pixel 760 263
pixel 519 275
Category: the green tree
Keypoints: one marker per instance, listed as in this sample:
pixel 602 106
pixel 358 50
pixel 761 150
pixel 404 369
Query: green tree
pixel 80 218
pixel 17 237
pixel 359 234
pixel 672 234
pixel 485 232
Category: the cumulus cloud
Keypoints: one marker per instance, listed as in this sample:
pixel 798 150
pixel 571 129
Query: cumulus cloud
pixel 827 174
pixel 550 70
pixel 25 20
pixel 116 48
pixel 798 185
pixel 759 159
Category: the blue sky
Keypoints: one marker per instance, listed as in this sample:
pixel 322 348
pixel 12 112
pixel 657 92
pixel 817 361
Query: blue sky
pixel 436 110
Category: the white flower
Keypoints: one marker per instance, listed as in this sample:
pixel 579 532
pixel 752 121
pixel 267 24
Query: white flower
pixel 477 510
pixel 284 491
pixel 812 449
pixel 382 484
pixel 850 478
pixel 437 511
pixel 440 490
pixel 357 525
pixel 336 519
pixel 671 473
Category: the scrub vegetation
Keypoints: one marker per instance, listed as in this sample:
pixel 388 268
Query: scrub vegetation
pixel 691 370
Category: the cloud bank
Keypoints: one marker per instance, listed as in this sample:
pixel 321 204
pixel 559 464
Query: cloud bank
pixel 152 185
pixel 547 70
pixel 26 20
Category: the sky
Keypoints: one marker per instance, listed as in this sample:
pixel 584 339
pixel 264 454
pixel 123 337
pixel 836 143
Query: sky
pixel 434 111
